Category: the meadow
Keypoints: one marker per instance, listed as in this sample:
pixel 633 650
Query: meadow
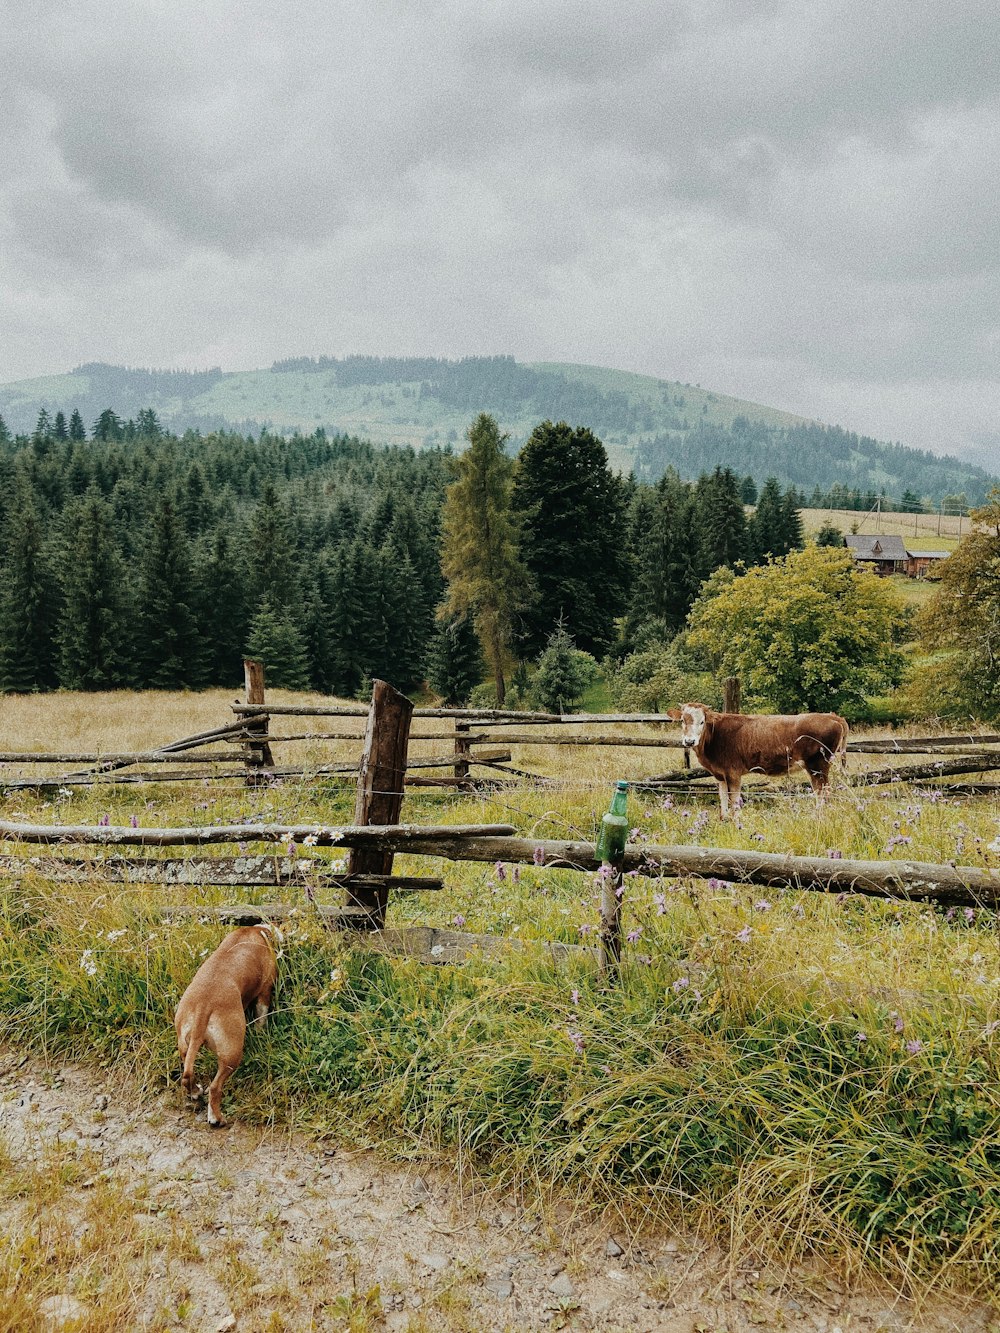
pixel 798 1073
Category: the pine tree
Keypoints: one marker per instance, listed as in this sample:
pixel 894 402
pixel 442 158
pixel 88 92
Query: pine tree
pixel 572 536
pixel 563 674
pixel 93 622
pixel 720 519
pixel 77 430
pixel 454 661
pixel 479 548
pixel 108 426
pixel 222 611
pixel 766 529
pixel 275 639
pixel 172 653
pixel 28 602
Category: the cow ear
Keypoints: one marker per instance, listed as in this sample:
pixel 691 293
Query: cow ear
pixel 674 714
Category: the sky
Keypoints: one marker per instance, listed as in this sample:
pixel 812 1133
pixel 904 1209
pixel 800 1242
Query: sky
pixel 794 203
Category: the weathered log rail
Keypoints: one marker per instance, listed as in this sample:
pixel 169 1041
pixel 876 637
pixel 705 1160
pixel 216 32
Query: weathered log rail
pixel 480 739
pixel 904 879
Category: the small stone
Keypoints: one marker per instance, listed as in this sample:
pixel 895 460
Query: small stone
pixel 58 1311
pixel 562 1287
pixel 502 1288
pixel 436 1262
pixel 612 1249
pixel 102 1102
pixel 226 1323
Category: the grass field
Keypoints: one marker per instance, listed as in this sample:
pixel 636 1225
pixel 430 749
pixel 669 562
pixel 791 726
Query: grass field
pixel 801 1074
pixel 924 532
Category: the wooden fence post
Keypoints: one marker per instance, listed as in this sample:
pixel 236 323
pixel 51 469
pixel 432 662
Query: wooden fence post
pixel 731 694
pixel 610 953
pixel 380 795
pixel 258 752
pixel 463 749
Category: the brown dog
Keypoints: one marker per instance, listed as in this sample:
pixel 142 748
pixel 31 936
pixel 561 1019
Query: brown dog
pixel 212 1011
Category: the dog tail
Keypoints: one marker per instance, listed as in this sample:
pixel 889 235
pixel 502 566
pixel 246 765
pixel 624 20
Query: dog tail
pixel 195 1041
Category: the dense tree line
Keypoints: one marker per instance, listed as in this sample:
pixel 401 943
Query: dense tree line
pixel 132 556
pixel 830 465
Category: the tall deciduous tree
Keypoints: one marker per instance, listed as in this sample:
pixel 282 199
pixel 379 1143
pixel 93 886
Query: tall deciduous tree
pixel 964 614
pixel 480 560
pixel 573 536
pixel 803 633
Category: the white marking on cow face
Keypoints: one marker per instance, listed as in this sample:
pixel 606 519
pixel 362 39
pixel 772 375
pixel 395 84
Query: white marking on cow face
pixel 692 725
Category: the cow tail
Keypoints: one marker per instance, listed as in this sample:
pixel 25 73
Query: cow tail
pixel 842 747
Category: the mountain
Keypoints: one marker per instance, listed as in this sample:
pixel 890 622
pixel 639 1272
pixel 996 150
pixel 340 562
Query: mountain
pixel 646 424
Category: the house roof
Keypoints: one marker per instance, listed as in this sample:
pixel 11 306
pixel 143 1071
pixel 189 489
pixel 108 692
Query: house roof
pixel 927 555
pixel 875 546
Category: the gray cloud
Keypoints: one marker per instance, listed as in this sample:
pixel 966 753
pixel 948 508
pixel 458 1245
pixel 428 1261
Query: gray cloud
pixel 794 204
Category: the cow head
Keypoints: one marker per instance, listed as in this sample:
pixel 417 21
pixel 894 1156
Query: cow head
pixel 694 720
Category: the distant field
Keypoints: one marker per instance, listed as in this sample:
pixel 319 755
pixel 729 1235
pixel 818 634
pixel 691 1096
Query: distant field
pixel 931 532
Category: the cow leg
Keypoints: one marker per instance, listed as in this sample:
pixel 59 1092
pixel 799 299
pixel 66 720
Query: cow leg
pixel 724 797
pixel 819 777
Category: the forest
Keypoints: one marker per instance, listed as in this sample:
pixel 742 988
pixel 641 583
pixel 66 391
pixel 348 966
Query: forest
pixel 132 556
pixel 648 425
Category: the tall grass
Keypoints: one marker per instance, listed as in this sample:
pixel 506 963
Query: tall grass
pixel 810 1073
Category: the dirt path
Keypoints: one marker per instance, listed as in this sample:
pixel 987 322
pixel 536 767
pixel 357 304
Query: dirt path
pixel 253 1230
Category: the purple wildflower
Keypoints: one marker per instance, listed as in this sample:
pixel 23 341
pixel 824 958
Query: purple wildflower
pixel 744 935
pixel 762 905
pixel 577 1039
pixel 104 821
pixel 634 934
pixel 574 996
pixel 860 1037
pixel 913 1046
pixel 458 920
pixel 500 870
pixel 835 854
pixel 538 856
pixel 970 914
pixel 680 984
pixel 134 821
pixel 660 899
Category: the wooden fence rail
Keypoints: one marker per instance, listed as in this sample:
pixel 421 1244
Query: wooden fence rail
pixel 915 881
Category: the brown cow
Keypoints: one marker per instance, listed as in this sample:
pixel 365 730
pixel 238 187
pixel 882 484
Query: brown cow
pixel 730 745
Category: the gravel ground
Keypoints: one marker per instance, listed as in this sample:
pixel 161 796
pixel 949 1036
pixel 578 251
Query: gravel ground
pixel 251 1229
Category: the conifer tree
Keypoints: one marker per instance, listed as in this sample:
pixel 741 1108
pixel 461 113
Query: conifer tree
pixel 94 653
pixel 171 650
pixel 479 548
pixel 275 639
pixel 454 661
pixel 28 602
pixel 77 430
pixel 721 525
pixel 572 536
pixel 563 674
pixel 222 611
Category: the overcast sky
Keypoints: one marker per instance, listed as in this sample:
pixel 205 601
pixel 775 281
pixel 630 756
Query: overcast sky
pixel 795 203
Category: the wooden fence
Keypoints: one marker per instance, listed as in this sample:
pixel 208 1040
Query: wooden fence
pixel 474 750
pixel 376 836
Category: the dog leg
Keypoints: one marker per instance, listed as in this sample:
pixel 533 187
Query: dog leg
pixel 228 1048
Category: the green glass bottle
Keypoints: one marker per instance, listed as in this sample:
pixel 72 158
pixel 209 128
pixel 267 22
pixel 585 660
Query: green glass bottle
pixel 614 826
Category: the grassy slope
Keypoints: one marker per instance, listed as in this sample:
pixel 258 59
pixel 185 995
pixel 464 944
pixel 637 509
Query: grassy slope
pixel 803 1072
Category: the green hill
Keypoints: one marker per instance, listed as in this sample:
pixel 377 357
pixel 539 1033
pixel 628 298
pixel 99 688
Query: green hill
pixel 646 424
